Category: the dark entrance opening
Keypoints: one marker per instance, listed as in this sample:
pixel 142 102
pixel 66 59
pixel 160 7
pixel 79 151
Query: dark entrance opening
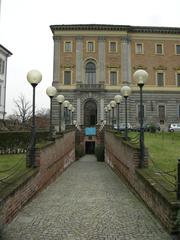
pixel 90 113
pixel 90 147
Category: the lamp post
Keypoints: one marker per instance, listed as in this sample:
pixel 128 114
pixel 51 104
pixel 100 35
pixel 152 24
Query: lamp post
pixel 109 109
pixel 60 99
pixel 118 99
pixel 106 111
pixel 66 105
pixel 34 77
pixel 51 92
pixel 72 111
pixel 141 77
pixel 126 91
pixel 113 105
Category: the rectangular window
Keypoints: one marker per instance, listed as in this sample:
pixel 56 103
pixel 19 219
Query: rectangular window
pixel 112 47
pixel 68 46
pixel 177 49
pixel 90 46
pixel 161 112
pixel 178 79
pixel 113 78
pixel 139 48
pixel 178 111
pixel 2 63
pixel 67 77
pixel 160 79
pixel 159 49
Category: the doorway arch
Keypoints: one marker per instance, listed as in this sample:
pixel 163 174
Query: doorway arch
pixel 90 113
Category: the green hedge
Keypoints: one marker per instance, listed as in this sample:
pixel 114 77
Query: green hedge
pixel 19 140
pixel 99 152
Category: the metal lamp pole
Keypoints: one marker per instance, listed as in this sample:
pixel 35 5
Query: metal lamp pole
pixel 141 77
pixel 113 105
pixel 60 99
pixel 126 91
pixel 118 99
pixel 34 77
pixel 51 92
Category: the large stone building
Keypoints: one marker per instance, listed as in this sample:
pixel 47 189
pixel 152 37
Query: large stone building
pixel 4 54
pixel 92 62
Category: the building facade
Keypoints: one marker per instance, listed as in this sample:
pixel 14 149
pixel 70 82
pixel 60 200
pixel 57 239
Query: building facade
pixel 92 62
pixel 4 54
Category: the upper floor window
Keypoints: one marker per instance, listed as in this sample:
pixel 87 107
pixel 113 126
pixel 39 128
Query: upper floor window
pixel 2 65
pixel 178 79
pixel 159 48
pixel 90 47
pixel 112 46
pixel 113 77
pixel 67 77
pixel 160 79
pixel 177 49
pixel 139 48
pixel 90 73
pixel 67 46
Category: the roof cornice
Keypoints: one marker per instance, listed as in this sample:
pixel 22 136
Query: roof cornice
pixel 107 27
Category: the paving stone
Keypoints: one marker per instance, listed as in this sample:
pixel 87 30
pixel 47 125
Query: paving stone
pixel 88 201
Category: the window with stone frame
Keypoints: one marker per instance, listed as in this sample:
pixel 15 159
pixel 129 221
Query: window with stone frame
pixel 67 46
pixel 177 49
pixel 113 77
pixel 159 48
pixel 112 46
pixel 161 113
pixel 178 79
pixel 67 77
pixel 139 48
pixel 160 79
pixel 90 46
pixel 90 73
pixel 2 65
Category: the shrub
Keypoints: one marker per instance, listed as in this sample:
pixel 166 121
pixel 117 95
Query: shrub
pixel 99 152
pixel 79 151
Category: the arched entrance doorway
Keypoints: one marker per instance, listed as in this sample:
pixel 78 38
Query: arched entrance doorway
pixel 90 113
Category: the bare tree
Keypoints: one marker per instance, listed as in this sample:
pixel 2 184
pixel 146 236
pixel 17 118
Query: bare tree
pixel 23 109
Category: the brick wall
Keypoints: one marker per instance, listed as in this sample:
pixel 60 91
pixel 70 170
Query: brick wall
pixel 124 160
pixel 51 160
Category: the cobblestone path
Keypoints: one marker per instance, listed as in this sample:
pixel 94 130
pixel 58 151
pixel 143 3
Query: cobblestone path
pixel 88 201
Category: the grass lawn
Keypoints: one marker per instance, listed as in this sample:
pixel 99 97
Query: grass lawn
pixel 164 150
pixel 12 170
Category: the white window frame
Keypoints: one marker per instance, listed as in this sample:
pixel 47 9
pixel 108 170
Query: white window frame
pixel 87 46
pixel 67 70
pixel 113 70
pixel 110 50
pixel 136 48
pixel 164 77
pixel 65 42
pixel 156 47
pixel 176 53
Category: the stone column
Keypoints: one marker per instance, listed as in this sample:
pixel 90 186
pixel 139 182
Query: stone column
pixel 56 64
pixel 101 109
pixel 126 60
pixel 79 111
pixel 79 59
pixel 101 60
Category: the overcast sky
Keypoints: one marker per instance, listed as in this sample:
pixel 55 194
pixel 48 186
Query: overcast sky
pixel 24 30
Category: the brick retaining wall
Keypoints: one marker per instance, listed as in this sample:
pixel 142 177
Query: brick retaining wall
pixel 124 160
pixel 51 161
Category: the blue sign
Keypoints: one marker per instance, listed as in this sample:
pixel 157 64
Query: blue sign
pixel 91 131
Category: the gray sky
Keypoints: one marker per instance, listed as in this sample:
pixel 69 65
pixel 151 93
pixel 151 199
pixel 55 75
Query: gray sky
pixel 24 30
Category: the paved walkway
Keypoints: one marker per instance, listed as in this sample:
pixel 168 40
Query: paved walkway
pixel 88 201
